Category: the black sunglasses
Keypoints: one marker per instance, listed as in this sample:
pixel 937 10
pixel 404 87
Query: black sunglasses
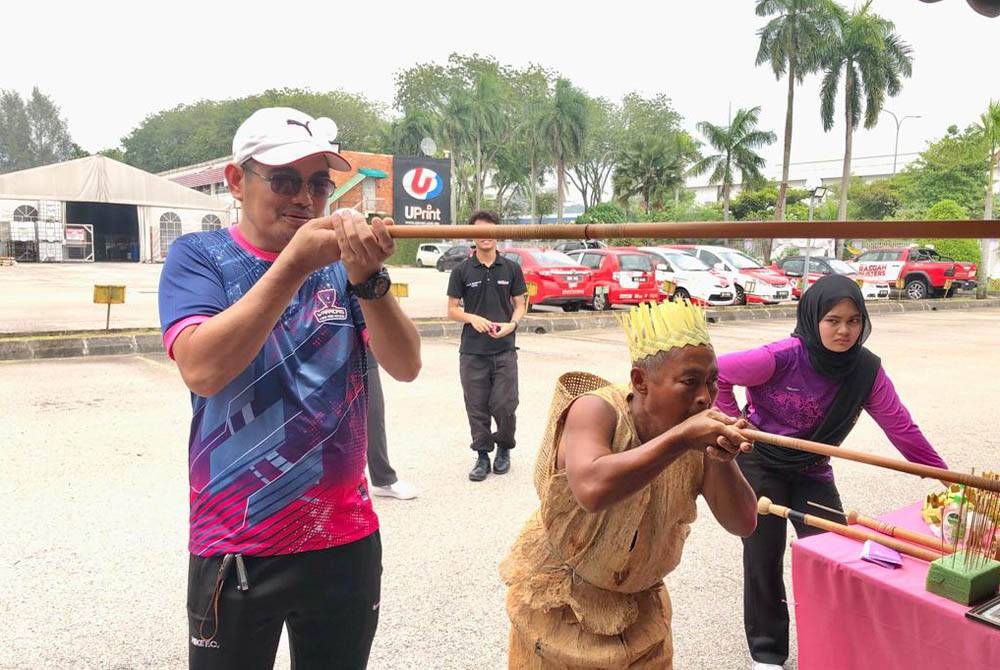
pixel 290 185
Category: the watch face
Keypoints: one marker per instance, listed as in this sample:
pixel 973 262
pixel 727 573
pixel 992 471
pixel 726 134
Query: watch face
pixel 381 286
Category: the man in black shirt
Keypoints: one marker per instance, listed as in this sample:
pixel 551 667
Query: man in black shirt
pixel 488 294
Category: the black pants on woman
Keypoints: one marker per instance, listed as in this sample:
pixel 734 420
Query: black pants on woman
pixel 765 610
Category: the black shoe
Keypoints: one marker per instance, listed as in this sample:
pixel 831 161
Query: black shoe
pixel 481 468
pixel 501 464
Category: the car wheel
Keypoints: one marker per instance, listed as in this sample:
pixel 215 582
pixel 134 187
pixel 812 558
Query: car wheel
pixel 917 289
pixel 681 294
pixel 571 307
pixel 601 302
pixel 420 263
pixel 741 296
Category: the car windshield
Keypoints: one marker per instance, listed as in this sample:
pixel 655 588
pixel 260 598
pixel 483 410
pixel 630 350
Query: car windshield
pixel 550 258
pixel 738 260
pixel 686 262
pixel 840 267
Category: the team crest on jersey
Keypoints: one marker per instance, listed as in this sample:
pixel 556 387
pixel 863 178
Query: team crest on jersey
pixel 330 311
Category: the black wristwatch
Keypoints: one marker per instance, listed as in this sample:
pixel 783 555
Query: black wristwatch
pixel 374 287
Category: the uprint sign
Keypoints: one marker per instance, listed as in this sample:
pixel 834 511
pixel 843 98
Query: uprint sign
pixel 421 190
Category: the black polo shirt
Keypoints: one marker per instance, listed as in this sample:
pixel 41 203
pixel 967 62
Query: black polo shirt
pixel 487 292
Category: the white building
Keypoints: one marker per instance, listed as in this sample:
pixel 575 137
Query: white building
pixel 97 209
pixel 869 168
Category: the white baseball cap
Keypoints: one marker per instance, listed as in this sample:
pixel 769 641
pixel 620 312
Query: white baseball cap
pixel 276 136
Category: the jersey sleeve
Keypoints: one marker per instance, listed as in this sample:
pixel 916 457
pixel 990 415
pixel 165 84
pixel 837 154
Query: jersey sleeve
pixel 191 289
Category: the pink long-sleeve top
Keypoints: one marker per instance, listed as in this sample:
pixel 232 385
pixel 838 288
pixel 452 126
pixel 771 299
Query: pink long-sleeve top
pixel 786 396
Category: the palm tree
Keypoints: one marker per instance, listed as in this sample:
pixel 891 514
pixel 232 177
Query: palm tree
pixel 653 167
pixel 867 53
pixel 737 144
pixel 792 44
pixel 991 126
pixel 562 127
pixel 404 135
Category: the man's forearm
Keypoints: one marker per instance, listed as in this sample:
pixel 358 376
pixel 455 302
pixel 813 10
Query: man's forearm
pixel 457 313
pixel 730 497
pixel 212 354
pixel 392 337
pixel 614 477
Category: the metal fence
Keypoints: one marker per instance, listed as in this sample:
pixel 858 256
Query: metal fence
pixel 46 241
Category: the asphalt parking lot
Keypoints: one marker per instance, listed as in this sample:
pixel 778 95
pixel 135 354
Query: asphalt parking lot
pixel 59 296
pixel 93 560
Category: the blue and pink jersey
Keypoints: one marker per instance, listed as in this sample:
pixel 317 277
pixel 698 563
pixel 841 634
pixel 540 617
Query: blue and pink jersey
pixel 277 458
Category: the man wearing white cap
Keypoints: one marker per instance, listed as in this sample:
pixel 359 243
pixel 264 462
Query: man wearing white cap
pixel 268 322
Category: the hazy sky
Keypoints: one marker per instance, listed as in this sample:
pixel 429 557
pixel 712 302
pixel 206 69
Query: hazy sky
pixel 110 64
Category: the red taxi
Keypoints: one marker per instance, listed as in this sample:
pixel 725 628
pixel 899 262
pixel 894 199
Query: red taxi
pixel 553 278
pixel 622 276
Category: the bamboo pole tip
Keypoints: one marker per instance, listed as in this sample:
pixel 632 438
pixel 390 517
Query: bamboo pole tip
pixel 763 505
pixel 852 516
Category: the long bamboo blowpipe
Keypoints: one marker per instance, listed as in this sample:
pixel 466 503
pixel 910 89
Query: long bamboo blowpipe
pixel 872 459
pixel 765 506
pixel 923 539
pixel 708 229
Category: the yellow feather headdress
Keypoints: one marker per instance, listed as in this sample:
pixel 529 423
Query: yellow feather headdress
pixel 652 328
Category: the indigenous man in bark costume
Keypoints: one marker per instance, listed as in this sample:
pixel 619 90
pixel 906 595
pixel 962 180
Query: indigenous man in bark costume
pixel 618 474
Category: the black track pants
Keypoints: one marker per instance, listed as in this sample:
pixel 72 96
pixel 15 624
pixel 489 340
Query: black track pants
pixel 329 600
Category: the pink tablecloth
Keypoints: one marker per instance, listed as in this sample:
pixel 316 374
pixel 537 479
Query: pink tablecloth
pixel 854 615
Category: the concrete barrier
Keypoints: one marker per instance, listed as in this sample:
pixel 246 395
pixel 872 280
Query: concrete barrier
pixel 149 341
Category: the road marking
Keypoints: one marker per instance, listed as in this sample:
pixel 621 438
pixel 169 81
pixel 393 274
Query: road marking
pixel 159 364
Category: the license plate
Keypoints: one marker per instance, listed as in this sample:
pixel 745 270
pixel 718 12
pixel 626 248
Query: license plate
pixel 781 294
pixel 726 295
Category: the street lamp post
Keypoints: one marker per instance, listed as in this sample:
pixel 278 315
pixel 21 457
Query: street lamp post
pixel 899 122
pixel 816 192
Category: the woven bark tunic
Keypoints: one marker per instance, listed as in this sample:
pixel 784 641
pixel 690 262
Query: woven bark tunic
pixel 586 589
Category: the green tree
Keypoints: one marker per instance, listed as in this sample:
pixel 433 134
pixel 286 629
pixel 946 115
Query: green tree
pixel 604 139
pixel 792 44
pixel 604 212
pixel 951 167
pixel 563 128
pixel 532 87
pixel 472 102
pixel 874 201
pixel 652 168
pixel 946 210
pixel 32 133
pixel 866 52
pixel 991 129
pixel 403 136
pixel 737 145
pixel 204 130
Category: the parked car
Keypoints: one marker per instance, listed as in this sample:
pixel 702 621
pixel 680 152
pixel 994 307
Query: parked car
pixel 752 282
pixel 428 254
pixel 791 266
pixel 622 276
pixel 689 278
pixel 450 259
pixel 573 245
pixel 553 278
pixel 919 272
